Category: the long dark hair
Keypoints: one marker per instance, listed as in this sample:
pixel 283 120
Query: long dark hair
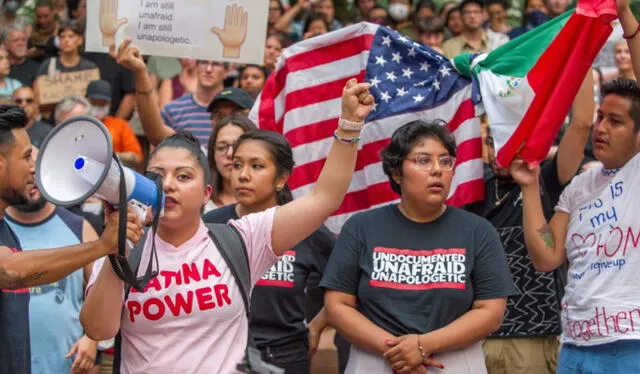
pixel 280 151
pixel 238 120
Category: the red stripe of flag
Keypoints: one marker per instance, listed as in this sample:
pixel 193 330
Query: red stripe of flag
pixel 319 56
pixel 317 94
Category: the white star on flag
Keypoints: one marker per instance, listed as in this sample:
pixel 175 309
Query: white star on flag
pixel 407 73
pixel 400 91
pixel 380 60
pixel 444 70
pixel 386 40
pixel 374 82
pixel 385 97
pixel 418 98
pixel 403 39
pixel 436 84
pixel 424 66
pixel 391 76
pixel 412 52
pixel 396 57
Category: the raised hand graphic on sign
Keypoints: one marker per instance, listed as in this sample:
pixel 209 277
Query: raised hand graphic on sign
pixel 109 22
pixel 234 33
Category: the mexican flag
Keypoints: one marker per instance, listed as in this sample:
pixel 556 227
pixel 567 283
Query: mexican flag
pixel 528 85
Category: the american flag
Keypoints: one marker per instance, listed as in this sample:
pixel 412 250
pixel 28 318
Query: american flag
pixel 409 81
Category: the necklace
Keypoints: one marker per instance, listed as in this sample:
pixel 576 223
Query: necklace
pixel 500 200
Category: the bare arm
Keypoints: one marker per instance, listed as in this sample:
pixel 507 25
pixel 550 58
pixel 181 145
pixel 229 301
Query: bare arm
pixel 165 92
pixel 630 25
pixel 571 148
pixel 352 325
pixel 284 22
pixel 33 268
pixel 88 235
pixel 125 109
pixel 545 242
pixel 102 309
pixel 298 219
pixel 484 318
pixel 146 99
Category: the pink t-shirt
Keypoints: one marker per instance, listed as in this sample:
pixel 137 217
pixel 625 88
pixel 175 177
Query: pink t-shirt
pixel 191 317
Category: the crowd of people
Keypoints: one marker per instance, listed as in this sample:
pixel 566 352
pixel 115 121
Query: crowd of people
pixel 536 278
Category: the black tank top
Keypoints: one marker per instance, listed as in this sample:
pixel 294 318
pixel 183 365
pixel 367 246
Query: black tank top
pixel 15 352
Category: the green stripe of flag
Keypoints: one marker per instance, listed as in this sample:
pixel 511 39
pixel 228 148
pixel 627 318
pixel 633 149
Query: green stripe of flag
pixel 517 57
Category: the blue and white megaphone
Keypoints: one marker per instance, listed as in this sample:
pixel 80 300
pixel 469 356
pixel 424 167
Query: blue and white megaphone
pixel 76 161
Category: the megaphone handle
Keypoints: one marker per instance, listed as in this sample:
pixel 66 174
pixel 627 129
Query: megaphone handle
pixel 141 211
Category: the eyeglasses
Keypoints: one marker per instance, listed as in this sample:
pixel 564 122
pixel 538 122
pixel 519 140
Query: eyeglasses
pixel 427 163
pixel 28 100
pixel 222 148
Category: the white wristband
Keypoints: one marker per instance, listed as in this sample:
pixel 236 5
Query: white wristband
pixel 349 125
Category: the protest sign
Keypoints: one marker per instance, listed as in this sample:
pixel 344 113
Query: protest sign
pixel 221 30
pixel 53 88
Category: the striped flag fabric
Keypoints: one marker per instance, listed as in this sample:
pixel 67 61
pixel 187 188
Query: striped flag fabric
pixel 409 81
pixel 528 85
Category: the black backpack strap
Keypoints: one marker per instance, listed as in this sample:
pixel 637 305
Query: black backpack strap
pixel 135 256
pixel 234 252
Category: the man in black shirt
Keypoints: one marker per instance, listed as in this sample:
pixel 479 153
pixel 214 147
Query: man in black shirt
pixel 23 69
pixel 25 98
pixel 527 341
pixel 20 270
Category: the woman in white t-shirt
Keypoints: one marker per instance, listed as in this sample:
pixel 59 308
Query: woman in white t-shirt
pixel 191 318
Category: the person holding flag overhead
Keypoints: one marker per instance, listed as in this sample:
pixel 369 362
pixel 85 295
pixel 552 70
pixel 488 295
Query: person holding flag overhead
pixel 595 228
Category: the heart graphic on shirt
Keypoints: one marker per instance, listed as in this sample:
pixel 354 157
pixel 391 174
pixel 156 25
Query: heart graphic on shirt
pixel 583 240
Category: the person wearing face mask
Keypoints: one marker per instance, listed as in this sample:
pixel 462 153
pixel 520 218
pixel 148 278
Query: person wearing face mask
pixel 125 143
pixel 400 14
pixel 535 14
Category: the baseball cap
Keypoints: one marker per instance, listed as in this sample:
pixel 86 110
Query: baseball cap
pixel 237 96
pixel 99 90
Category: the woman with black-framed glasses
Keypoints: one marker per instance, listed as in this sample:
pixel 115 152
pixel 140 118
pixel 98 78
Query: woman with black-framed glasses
pixel 418 283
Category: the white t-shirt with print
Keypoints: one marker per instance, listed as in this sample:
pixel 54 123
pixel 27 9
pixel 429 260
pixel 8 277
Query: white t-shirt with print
pixel 191 318
pixel 602 299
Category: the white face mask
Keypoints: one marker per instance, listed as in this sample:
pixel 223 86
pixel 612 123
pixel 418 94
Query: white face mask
pixel 99 111
pixel 399 12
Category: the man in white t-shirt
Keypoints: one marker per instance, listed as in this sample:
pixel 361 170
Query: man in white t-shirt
pixel 596 228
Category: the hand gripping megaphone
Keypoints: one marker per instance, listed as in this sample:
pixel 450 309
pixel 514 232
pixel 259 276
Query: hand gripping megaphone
pixel 76 161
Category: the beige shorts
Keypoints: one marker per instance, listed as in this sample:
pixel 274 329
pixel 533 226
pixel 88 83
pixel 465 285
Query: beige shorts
pixel 537 355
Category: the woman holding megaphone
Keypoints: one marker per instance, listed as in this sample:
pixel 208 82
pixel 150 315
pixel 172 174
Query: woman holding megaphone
pixel 191 318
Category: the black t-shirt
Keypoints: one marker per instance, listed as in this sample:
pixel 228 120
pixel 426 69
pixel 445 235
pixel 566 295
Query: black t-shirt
pixel 534 311
pixel 38 132
pixel 412 277
pixel 278 299
pixel 15 347
pixel 25 72
pixel 83 64
pixel 121 79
